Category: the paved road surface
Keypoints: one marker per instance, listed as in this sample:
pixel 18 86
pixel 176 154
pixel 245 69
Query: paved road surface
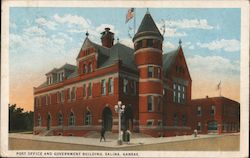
pixel 223 143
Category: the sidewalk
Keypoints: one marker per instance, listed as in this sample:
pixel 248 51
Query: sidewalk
pixel 109 142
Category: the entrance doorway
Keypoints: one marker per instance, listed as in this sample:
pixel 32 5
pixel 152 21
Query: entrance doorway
pixel 107 119
pixel 48 122
pixel 127 118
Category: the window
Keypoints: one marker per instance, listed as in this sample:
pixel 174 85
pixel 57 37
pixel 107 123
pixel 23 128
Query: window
pixel 84 90
pixel 125 85
pixel 39 120
pixel 149 42
pixel 150 103
pixel 73 93
pixel 88 118
pixel 150 71
pixel 60 119
pixel 184 120
pixel 212 125
pixel 90 90
pixel 199 126
pixel 60 76
pixel 212 112
pixel 175 120
pixel 150 123
pixel 159 103
pixel 71 119
pixel 103 87
pixel 85 68
pixel 199 111
pixel 62 96
pixel 90 67
pixel 110 85
pixel 179 93
pixel 138 45
pixel 133 87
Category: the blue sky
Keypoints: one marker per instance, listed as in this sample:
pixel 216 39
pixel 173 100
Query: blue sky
pixel 44 38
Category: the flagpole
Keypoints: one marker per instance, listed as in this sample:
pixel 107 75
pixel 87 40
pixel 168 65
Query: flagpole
pixel 134 20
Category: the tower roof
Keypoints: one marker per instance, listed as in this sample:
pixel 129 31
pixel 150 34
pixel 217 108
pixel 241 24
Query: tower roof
pixel 147 27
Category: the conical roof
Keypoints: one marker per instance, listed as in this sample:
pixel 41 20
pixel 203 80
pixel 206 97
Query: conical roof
pixel 147 27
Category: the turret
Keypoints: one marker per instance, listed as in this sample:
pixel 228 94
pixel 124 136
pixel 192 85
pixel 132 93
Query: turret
pixel 148 57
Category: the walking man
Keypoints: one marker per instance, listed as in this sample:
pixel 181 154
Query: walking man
pixel 102 134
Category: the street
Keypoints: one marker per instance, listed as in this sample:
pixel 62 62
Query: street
pixel 218 143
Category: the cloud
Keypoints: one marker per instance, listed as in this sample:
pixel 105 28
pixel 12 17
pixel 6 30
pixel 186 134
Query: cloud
pixel 170 32
pixel 34 31
pixel 231 45
pixel 44 22
pixel 101 28
pixel 213 65
pixel 73 20
pixel 127 42
pixel 189 24
pixel 169 45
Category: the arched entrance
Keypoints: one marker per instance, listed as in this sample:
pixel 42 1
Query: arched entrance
pixel 127 118
pixel 48 122
pixel 107 120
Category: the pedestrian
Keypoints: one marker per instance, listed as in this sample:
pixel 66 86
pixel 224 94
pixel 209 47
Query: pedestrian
pixel 102 134
pixel 195 133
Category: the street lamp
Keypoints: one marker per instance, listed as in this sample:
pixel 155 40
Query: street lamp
pixel 119 109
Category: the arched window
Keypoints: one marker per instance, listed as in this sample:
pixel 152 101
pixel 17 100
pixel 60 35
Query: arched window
pixel 71 119
pixel 39 120
pixel 88 118
pixel 60 119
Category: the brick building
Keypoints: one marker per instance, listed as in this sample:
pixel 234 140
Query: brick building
pixel 154 86
pixel 216 115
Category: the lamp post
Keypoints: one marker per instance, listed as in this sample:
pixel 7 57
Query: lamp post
pixel 119 108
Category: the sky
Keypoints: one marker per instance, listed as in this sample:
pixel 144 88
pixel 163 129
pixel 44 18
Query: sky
pixel 44 38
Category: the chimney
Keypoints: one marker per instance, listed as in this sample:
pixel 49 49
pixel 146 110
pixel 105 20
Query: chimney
pixel 107 38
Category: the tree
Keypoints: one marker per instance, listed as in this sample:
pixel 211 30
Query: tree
pixel 20 120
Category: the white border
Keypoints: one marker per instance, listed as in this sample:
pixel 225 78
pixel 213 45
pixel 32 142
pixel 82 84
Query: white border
pixel 244 78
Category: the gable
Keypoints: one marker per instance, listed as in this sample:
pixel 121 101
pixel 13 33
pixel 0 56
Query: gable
pixel 174 64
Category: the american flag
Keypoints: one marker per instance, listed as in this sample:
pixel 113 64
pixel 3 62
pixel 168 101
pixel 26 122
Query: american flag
pixel 130 14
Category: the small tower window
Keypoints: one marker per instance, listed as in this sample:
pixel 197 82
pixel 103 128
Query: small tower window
pixel 150 71
pixel 138 45
pixel 149 42
pixel 150 103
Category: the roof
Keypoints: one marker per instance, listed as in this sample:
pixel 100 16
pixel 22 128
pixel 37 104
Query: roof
pixel 169 58
pixel 100 49
pixel 213 99
pixel 65 66
pixel 123 53
pixel 148 27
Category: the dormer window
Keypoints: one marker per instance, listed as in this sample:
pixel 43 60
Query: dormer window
pixel 60 76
